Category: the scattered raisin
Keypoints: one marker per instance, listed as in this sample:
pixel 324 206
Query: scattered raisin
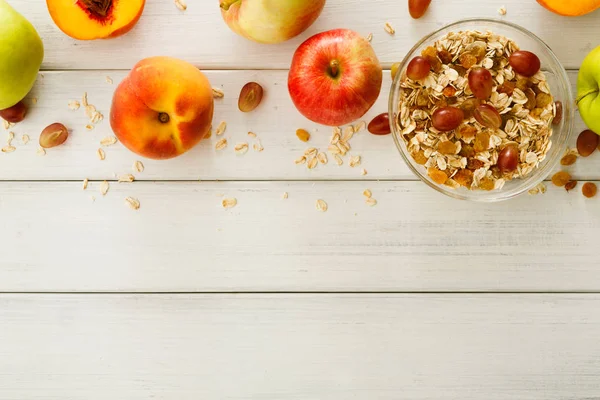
pixel 559 113
pixel 445 56
pixel 561 178
pixel 589 189
pixel 569 159
pixel 542 100
pixel 467 60
pixel 587 142
pixel 570 185
pixel 437 176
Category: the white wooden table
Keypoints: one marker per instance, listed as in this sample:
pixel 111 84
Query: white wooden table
pixel 421 297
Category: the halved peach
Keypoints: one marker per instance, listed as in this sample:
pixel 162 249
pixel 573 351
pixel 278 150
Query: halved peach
pixel 571 8
pixel 95 19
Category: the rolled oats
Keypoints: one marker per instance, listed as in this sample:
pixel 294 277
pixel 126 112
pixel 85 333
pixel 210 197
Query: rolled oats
pixel 321 205
pixel 133 203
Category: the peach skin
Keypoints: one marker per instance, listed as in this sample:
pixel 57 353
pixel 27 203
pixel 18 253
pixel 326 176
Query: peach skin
pixel 95 19
pixel 571 8
pixel 163 108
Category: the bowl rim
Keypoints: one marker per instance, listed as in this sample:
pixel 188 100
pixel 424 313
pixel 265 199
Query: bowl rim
pixel 568 113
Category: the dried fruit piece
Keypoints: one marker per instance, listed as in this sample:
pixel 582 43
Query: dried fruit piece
pixel 468 106
pixel 568 159
pixel 464 177
pixel 367 193
pixel 15 113
pixel 303 135
pixel 447 147
pixel 561 178
pixel 542 100
pixel 477 49
pixel 482 142
pixel 420 158
pixel 589 189
pixel 449 91
pixel 380 125
pixel 445 56
pixel 587 143
pixel 531 101
pixel 508 159
pixel 570 185
pixel 417 8
pixel 559 113
pixel 467 60
pixel 508 87
pixel 53 135
pixel 447 118
pixel 437 176
pixel 488 116
pixel 525 63
pixel 250 97
pixel 486 184
pixel 430 53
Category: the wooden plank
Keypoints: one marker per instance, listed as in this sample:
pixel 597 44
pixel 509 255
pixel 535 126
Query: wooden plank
pixel 275 123
pixel 428 347
pixel 190 35
pixel 181 239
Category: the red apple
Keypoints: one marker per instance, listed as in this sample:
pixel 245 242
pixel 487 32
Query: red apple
pixel 335 77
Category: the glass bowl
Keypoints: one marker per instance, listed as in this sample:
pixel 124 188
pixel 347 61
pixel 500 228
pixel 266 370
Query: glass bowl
pixel 560 88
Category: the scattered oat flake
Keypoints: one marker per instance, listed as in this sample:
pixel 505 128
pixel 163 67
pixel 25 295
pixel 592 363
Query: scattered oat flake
pixel 126 178
pixel 284 195
pixel 108 141
pixel 300 160
pixel 89 127
pixel 8 149
pixel 74 105
pixel 252 134
pixel 181 5
pixel 241 148
pixel 84 99
pixel 321 205
pixel 138 166
pixel 369 37
pixel 354 161
pixel 389 28
pixel 6 124
pixel 363 172
pixel 348 133
pixel 25 139
pixel 338 159
pixel 34 100
pixel 502 10
pixel 104 186
pixel 133 203
pixel 101 155
pixel 11 136
pixel 229 203
pixel 258 147
pixel 93 198
pixel 221 128
pixel 371 201
pixel 359 126
pixel 322 157
pixel 367 193
pixel 221 144
pixel 41 151
pixel 85 183
pixel 311 151
pixel 334 150
pixel 109 80
pixel 218 93
pixel 312 163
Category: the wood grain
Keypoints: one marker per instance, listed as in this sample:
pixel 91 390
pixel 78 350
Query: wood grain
pixel 275 123
pixel 200 36
pixel 388 347
pixel 181 239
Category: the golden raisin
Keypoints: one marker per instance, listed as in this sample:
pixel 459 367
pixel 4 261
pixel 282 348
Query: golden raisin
pixel 467 60
pixel 561 178
pixel 486 184
pixel 589 189
pixel 524 84
pixel 531 101
pixel 303 135
pixel 473 164
pixel 466 151
pixel 536 112
pixel 467 131
pixel 437 176
pixel 569 159
pixel 422 100
pixel 482 142
pixel 445 56
pixel 570 185
pixel 542 100
pixel 446 147
pixel 468 106
pixel 430 53
pixel 464 177
pixel 462 71
pixel 420 158
pixel 477 49
pixel 449 91
pixel 507 87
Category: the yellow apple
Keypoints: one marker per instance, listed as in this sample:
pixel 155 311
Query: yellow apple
pixel 270 21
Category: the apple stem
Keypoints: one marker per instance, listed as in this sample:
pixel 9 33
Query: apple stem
pixel 163 117
pixel 334 68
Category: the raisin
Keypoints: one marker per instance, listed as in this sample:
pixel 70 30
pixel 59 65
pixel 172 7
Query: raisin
pixel 536 112
pixel 460 69
pixel 473 164
pixel 420 158
pixel 569 159
pixel 486 184
pixel 437 176
pixel 589 189
pixel 482 141
pixel 507 87
pixel 445 56
pixel 467 60
pixel 531 100
pixel 570 185
pixel 446 148
pixel 449 91
pixel 464 177
pixel 466 151
pixel 467 131
pixel 561 178
pixel 524 84
pixel 468 106
pixel 542 100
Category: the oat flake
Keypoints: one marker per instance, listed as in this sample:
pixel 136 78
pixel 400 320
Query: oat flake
pixel 104 186
pixel 321 205
pixel 133 203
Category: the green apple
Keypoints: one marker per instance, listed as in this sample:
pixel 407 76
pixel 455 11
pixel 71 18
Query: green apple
pixel 21 54
pixel 588 90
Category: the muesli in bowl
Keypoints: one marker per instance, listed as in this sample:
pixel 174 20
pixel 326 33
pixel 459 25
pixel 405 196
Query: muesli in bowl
pixel 474 113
